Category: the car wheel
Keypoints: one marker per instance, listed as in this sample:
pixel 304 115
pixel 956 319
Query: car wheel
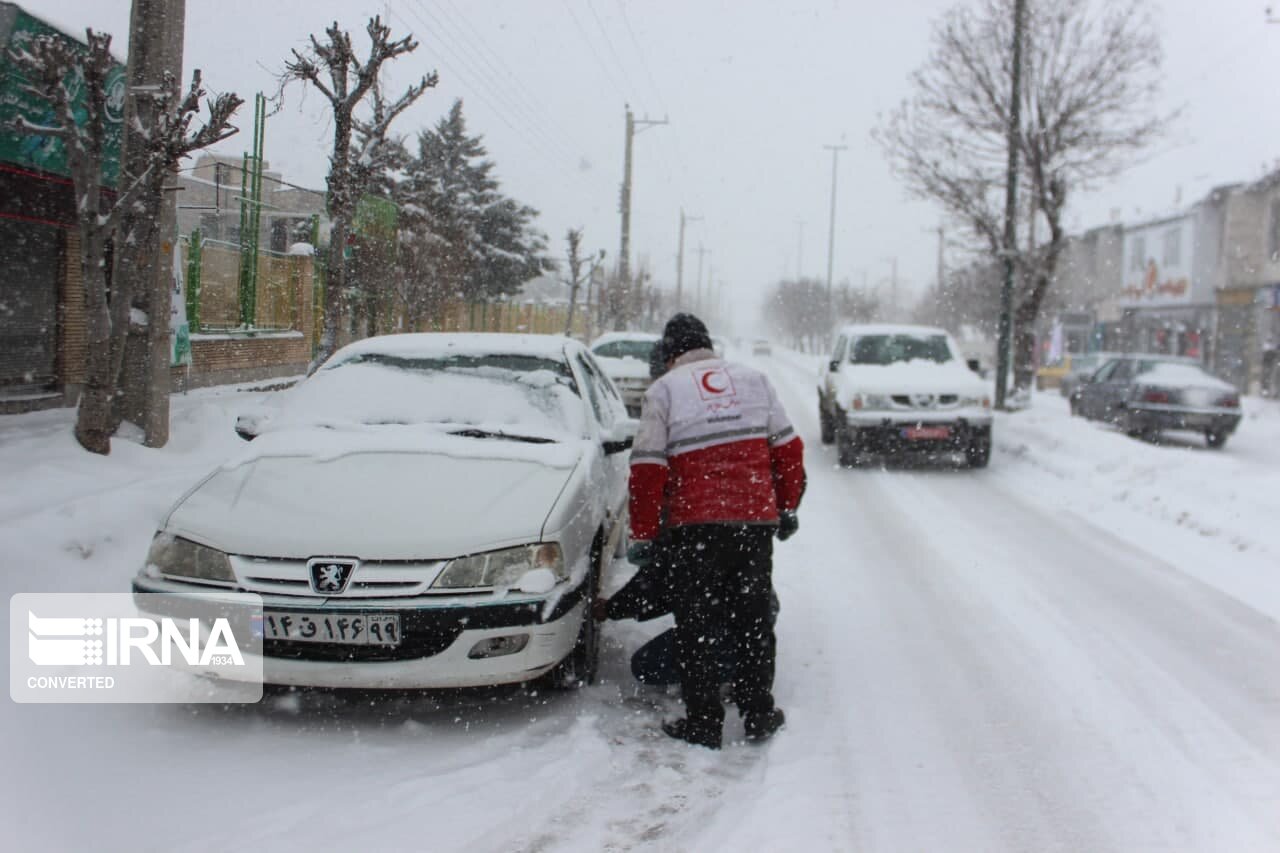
pixel 846 446
pixel 825 426
pixel 579 668
pixel 978 454
pixel 1215 438
pixel 1073 405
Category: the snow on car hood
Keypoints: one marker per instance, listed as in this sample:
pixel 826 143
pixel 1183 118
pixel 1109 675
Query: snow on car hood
pixel 624 368
pixel 380 493
pixel 913 377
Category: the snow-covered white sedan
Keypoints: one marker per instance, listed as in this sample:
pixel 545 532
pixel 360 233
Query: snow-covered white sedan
pixel 426 510
pixel 896 389
pixel 625 357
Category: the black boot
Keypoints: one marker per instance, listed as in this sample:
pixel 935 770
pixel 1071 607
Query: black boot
pixel 761 726
pixel 693 733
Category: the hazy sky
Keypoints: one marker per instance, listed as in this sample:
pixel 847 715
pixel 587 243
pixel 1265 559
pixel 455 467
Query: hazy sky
pixel 753 90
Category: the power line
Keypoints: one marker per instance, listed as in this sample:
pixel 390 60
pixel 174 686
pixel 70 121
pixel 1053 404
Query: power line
pixel 608 42
pixel 508 84
pixel 482 96
pixel 490 93
pixel 592 47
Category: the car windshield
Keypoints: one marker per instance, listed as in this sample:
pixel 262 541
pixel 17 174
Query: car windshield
pixel 639 350
pixel 496 395
pixel 891 349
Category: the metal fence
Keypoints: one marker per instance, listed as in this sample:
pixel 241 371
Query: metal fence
pixel 223 296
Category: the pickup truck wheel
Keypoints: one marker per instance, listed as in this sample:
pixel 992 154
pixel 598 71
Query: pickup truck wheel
pixel 846 445
pixel 978 454
pixel 826 428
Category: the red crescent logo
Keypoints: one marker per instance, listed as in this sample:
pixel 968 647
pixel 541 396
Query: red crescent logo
pixel 712 389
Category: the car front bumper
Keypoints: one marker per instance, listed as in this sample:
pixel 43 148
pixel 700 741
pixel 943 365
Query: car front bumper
pixel 435 647
pixel 1160 417
pixel 880 433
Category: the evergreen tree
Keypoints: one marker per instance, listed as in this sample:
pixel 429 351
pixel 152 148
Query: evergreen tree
pixel 468 238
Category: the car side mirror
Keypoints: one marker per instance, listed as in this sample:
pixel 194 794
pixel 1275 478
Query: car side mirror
pixel 834 366
pixel 620 436
pixel 975 366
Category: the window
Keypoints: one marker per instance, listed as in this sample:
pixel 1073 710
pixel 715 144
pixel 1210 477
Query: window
pixel 838 352
pixel 638 350
pixel 1104 372
pixel 604 415
pixel 1172 255
pixel 1123 372
pixel 1273 232
pixel 1138 255
pixel 888 349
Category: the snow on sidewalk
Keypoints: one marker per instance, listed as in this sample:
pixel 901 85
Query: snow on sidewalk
pixel 1212 513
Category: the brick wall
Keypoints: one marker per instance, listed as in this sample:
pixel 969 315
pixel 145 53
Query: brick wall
pixel 73 332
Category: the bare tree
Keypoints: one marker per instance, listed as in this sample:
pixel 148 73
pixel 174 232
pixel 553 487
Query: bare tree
pixel 576 277
pixel 52 68
pixel 333 68
pixel 1091 74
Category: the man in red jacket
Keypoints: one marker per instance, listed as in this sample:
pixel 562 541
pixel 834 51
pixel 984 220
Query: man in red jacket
pixel 717 461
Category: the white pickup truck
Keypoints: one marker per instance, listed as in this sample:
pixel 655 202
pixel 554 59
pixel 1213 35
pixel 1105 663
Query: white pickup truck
pixel 895 390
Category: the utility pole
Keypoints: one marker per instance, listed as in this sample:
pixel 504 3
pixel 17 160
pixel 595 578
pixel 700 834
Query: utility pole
pixel 156 30
pixel 1010 206
pixel 831 233
pixel 624 257
pixel 893 284
pixel 942 264
pixel 697 298
pixel 680 258
pixel 799 249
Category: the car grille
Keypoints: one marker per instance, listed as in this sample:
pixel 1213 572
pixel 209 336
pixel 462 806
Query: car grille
pixel 926 401
pixel 370 579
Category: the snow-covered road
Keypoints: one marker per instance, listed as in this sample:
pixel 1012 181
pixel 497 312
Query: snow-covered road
pixel 993 660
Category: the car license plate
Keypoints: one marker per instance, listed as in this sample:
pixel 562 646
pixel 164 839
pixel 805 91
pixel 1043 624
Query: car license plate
pixel 357 629
pixel 926 433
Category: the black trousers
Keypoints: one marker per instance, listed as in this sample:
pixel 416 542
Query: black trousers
pixel 723 584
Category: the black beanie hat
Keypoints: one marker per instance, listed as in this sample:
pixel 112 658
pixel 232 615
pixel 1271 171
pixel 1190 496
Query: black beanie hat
pixel 684 332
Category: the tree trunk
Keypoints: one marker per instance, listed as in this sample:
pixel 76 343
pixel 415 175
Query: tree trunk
pixel 93 420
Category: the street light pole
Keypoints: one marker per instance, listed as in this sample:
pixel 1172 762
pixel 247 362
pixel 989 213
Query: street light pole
pixel 831 232
pixel 680 258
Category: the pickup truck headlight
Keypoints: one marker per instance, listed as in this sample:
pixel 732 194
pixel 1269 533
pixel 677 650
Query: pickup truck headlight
pixel 178 557
pixel 874 402
pixel 502 568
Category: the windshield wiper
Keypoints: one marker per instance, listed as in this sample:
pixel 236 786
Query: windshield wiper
pixel 473 432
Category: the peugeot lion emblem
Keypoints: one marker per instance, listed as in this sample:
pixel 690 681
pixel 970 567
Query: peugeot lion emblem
pixel 330 577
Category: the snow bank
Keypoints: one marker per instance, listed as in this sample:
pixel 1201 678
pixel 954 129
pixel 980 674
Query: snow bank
pixel 1177 498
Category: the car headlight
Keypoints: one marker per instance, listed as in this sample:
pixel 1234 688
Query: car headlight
pixel 502 568
pixel 984 402
pixel 870 401
pixel 173 555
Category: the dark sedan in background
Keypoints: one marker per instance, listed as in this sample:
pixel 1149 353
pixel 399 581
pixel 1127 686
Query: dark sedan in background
pixel 1146 395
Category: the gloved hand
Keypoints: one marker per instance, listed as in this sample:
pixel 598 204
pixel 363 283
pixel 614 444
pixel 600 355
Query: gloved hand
pixel 640 554
pixel 600 609
pixel 788 524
